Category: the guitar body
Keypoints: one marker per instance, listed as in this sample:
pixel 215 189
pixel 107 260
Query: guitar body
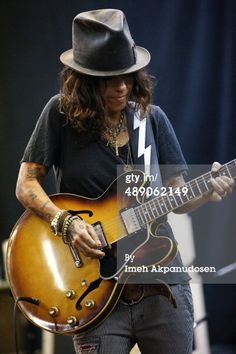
pixel 76 293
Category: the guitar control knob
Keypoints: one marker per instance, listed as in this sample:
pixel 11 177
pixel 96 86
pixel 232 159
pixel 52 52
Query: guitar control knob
pixel 90 303
pixel 53 311
pixel 72 321
pixel 70 294
pixel 84 282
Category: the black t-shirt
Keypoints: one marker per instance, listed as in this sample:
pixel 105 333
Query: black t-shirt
pixel 88 171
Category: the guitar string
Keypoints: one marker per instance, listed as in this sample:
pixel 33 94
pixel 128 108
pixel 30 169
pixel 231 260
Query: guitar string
pixel 192 183
pixel 198 182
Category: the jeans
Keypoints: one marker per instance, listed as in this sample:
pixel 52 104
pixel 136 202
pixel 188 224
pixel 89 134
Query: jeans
pixel 153 323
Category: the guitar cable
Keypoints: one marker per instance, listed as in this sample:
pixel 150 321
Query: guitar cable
pixel 31 300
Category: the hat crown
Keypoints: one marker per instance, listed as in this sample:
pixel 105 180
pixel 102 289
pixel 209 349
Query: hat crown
pixel 110 17
pixel 102 40
pixel 103 46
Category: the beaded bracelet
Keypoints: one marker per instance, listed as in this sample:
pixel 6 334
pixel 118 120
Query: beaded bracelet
pixel 66 224
pixel 61 221
pixel 55 221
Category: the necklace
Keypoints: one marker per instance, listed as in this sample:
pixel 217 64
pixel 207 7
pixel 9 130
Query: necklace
pixel 127 163
pixel 128 166
pixel 114 132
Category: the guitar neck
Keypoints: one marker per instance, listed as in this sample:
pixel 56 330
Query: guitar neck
pixel 162 205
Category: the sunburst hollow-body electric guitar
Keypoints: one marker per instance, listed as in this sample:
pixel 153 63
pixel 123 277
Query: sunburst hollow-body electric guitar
pixel 61 290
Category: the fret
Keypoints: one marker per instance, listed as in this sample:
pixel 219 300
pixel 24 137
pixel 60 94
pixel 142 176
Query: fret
pixel 158 207
pixel 138 209
pixel 167 202
pixel 208 181
pixel 232 168
pixel 195 189
pixel 153 209
pixel 146 212
pixel 228 172
pixel 179 200
pixel 223 172
pixel 139 215
pixel 205 184
pixel 185 198
pixel 173 201
pixel 163 205
pixel 198 186
pixel 191 194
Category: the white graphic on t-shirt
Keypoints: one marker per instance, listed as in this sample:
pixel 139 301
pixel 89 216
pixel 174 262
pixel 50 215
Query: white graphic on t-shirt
pixel 142 150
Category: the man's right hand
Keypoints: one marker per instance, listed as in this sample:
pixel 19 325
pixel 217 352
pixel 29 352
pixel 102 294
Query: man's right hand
pixel 85 239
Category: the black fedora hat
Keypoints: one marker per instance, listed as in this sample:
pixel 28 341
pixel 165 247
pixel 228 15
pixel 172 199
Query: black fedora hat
pixel 103 46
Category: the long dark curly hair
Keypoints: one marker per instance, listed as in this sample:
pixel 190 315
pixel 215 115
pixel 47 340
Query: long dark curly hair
pixel 83 106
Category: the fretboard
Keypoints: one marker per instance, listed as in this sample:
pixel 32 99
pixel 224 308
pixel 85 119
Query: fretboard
pixel 162 205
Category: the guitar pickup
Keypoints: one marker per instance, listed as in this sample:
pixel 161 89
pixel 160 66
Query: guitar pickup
pixel 130 220
pixel 97 226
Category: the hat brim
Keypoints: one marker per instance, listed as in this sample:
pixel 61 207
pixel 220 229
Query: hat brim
pixel 142 59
